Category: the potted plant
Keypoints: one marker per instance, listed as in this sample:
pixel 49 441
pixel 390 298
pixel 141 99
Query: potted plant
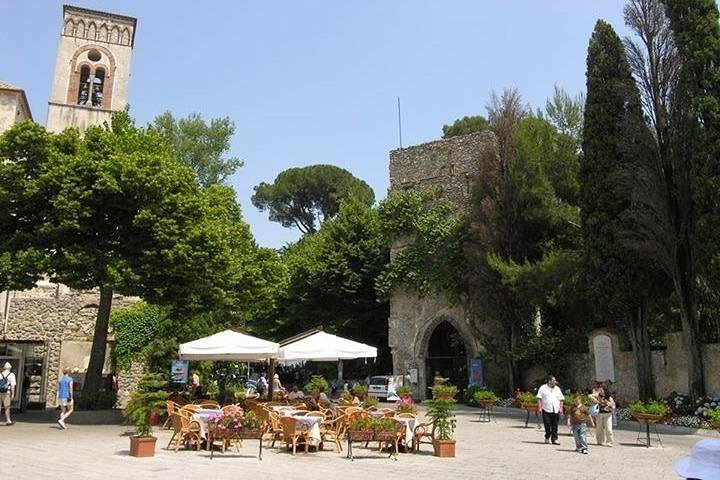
pixel 404 391
pixel 444 391
pixel 528 401
pixel 360 428
pixel 713 416
pixel 369 402
pixel 485 398
pixel 149 399
pixel 406 405
pixel 384 429
pixel 316 384
pixel 251 426
pixel 441 410
pixel 652 411
pixel 359 391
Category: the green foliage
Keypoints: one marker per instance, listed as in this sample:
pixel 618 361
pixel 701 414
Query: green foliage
pixel 316 384
pixel 103 400
pixel 485 396
pixel 465 125
pixel 565 113
pixel 306 197
pixel 444 391
pixel 441 412
pixel 369 402
pixel 134 327
pixel 527 398
pixel 430 237
pixel 361 423
pixel 331 282
pixel 200 146
pixel 584 398
pixel 383 424
pixel 359 390
pixel 147 400
pixel 652 407
pixel 404 390
pixel 713 414
pixel 251 421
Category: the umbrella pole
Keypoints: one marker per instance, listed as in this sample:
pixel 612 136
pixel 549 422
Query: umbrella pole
pixel 340 369
pixel 270 378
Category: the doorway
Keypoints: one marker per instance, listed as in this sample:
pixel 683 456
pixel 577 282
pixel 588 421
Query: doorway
pixel 447 354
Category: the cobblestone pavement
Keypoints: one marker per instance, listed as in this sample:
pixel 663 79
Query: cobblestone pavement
pixel 501 449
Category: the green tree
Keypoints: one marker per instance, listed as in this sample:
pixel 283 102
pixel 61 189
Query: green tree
pixel 331 279
pixel 465 125
pixel 114 210
pixel 615 139
pixel 694 169
pixel 565 113
pixel 201 146
pixel 305 197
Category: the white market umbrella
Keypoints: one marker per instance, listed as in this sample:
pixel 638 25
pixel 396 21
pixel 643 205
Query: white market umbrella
pixel 323 346
pixel 229 345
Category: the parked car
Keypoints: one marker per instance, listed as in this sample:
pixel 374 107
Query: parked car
pixel 382 387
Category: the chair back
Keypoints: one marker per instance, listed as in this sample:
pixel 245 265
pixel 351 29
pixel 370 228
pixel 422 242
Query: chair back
pixel 289 426
pixel 209 404
pixel 315 414
pixel 406 415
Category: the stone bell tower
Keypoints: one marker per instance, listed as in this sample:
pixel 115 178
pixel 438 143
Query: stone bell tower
pixel 92 68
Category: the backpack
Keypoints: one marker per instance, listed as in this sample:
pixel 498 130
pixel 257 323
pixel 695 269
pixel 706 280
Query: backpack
pixel 4 383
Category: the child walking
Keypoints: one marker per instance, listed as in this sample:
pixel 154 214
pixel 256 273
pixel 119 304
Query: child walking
pixel 579 418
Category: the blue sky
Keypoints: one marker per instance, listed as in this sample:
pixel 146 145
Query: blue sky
pixel 318 81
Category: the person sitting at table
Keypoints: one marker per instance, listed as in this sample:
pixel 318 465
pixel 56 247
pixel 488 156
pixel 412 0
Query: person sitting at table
pixel 295 394
pixel 317 400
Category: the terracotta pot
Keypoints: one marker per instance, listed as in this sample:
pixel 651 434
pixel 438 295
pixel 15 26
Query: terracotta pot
pixel 487 403
pixel 250 434
pixel 716 425
pixel 530 407
pixel 444 448
pixel 142 446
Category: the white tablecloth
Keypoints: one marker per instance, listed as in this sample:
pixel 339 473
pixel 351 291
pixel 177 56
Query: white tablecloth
pixel 202 416
pixel 409 428
pixel 313 424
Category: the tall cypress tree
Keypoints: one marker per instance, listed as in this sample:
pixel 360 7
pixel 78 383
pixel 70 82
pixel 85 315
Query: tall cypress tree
pixel 695 161
pixel 614 137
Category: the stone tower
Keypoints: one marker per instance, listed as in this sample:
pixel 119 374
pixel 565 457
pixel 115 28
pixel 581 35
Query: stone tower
pixel 92 68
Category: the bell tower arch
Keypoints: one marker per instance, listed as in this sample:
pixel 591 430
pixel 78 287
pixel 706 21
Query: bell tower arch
pixel 92 69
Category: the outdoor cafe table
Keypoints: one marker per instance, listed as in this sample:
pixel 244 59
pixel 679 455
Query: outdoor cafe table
pixel 203 416
pixel 409 428
pixel 313 425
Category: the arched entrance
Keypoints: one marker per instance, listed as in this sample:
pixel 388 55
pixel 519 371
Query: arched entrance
pixel 447 354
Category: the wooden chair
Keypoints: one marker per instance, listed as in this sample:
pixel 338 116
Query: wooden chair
pixel 188 409
pixel 272 425
pixel 398 434
pixel 386 412
pixel 423 433
pixel 171 407
pixel 406 415
pixel 186 431
pixel 299 406
pixel 292 432
pixel 209 404
pixel 334 429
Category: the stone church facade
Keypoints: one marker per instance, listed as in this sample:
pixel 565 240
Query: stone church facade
pixel 51 326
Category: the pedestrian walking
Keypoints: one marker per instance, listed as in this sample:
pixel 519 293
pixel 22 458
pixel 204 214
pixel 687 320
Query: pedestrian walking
pixel 8 382
pixel 65 397
pixel 578 419
pixel 550 402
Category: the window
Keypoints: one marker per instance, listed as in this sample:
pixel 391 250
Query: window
pixel 84 87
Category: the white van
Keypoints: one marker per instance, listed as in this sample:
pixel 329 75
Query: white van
pixel 382 387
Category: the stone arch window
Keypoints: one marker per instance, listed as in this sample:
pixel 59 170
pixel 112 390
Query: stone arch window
pixel 97 87
pixel 114 34
pixel 102 33
pixel 80 29
pixel 83 95
pixel 69 28
pixel 125 38
pixel 92 31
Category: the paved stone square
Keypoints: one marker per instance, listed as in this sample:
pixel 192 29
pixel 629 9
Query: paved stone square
pixel 501 449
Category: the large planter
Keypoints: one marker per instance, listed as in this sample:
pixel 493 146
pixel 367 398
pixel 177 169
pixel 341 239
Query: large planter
pixel 486 403
pixel 530 407
pixel 360 435
pixel 716 425
pixel 444 448
pixel 142 446
pixel 247 434
pixel 648 418
pixel 385 436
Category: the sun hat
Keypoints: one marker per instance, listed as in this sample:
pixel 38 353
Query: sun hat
pixel 276 376
pixel 703 462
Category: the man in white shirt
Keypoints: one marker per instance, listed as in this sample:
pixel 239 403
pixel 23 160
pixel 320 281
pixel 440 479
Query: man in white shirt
pixel 7 390
pixel 550 401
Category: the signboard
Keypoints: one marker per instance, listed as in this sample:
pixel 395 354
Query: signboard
pixel 476 372
pixel 179 371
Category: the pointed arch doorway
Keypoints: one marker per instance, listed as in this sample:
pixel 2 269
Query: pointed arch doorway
pixel 447 354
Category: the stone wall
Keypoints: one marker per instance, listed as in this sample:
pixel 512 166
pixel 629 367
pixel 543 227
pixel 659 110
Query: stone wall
pixel 450 165
pixel 669 368
pixel 52 314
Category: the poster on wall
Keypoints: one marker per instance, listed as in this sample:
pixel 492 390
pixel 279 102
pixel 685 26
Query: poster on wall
pixel 476 372
pixel 179 371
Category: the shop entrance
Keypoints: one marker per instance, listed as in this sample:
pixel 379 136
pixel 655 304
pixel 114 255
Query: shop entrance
pixel 28 365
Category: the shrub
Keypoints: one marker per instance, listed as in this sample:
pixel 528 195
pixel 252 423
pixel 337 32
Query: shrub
pixel 444 391
pixel 680 404
pixel 485 396
pixel 316 384
pixel 370 402
pixel 147 400
pixel 713 414
pixel 359 390
pixel 442 413
pixel 527 398
pixel 360 423
pixel 652 407
pixel 404 390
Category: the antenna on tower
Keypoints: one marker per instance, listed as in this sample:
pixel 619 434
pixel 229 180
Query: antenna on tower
pixel 399 123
